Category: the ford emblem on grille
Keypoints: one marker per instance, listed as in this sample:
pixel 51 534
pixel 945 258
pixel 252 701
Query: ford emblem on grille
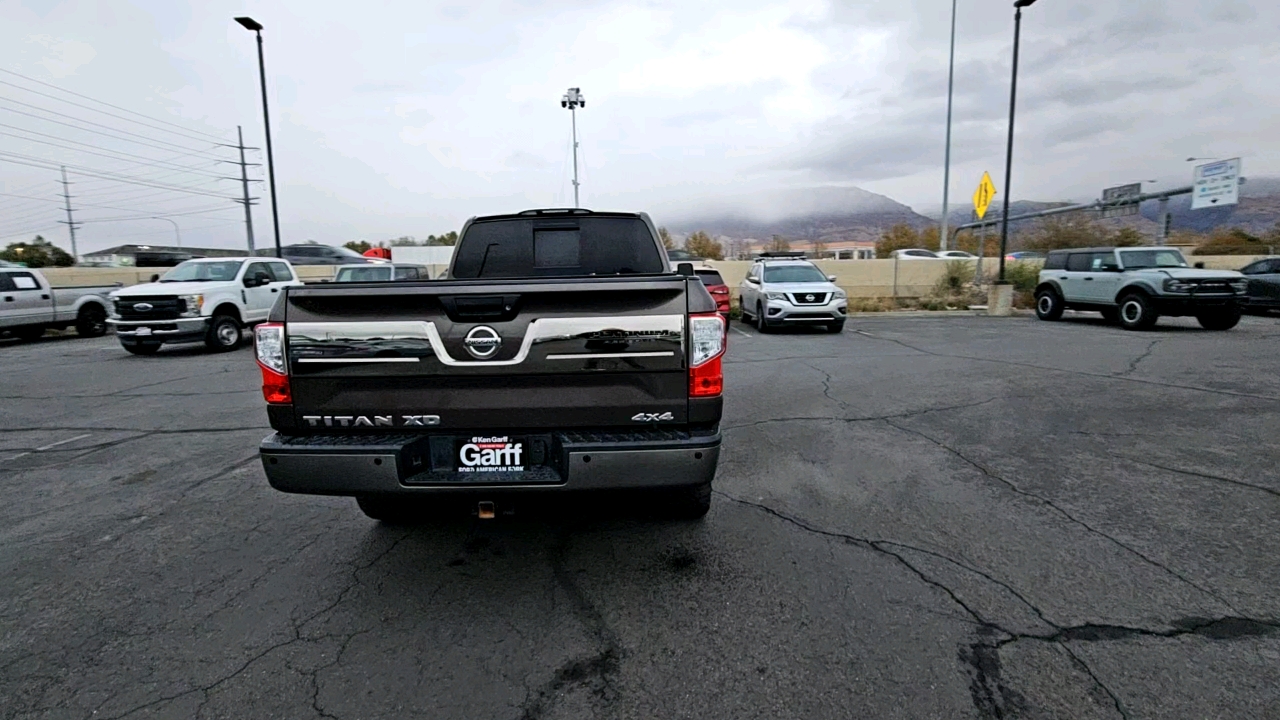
pixel 483 342
pixel 808 298
pixel 143 307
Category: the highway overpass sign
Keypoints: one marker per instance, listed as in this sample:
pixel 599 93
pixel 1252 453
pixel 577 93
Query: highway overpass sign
pixel 1216 184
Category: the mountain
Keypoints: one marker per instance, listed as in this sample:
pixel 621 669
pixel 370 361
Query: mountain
pixel 825 213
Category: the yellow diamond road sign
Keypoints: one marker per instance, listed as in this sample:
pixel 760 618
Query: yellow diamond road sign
pixel 983 195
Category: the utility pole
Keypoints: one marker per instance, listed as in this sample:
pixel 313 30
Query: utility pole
pixel 244 181
pixel 70 222
pixel 946 166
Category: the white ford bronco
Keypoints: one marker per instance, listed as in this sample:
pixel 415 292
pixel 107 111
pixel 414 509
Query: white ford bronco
pixel 1135 286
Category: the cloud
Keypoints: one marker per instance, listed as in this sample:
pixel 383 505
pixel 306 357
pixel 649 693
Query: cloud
pixel 64 57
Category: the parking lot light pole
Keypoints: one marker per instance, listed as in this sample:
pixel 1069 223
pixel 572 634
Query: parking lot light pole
pixel 255 27
pixel 574 100
pixel 177 234
pixel 1008 157
pixel 946 163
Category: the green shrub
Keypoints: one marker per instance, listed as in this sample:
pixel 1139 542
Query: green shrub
pixel 1024 275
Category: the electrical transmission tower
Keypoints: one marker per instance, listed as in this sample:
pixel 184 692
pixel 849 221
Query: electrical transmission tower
pixel 70 222
pixel 244 182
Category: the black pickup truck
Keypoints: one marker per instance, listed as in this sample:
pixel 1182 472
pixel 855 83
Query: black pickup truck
pixel 561 353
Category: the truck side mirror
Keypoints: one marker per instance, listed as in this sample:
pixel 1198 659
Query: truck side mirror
pixel 685 269
pixel 753 279
pixel 1200 265
pixel 155 277
pixel 831 278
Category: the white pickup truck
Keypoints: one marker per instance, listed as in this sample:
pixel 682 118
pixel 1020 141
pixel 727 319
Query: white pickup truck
pixel 29 305
pixel 210 300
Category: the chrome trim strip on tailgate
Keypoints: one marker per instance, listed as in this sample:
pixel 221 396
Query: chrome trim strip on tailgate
pixel 381 336
pixel 598 356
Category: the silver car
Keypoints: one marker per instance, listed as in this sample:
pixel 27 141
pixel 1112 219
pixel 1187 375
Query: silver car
pixel 791 291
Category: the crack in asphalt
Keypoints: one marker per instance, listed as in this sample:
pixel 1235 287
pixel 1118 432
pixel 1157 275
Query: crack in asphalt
pixel 1133 364
pixel 296 626
pixel 595 670
pixel 989 694
pixel 1083 373
pixel 1206 476
pixel 1049 503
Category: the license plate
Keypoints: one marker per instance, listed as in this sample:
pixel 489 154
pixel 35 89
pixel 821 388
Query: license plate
pixel 143 331
pixel 491 453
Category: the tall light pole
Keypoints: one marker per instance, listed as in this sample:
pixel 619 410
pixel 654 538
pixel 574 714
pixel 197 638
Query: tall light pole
pixel 574 100
pixel 176 233
pixel 255 27
pixel 1008 157
pixel 946 166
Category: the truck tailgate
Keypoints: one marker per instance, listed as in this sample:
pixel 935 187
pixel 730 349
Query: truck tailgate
pixel 488 355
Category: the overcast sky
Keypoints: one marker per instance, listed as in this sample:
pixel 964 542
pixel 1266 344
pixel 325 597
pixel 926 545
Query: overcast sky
pixel 394 118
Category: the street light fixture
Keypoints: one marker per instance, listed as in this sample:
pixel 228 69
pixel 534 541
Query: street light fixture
pixel 175 228
pixel 1008 158
pixel 574 100
pixel 255 27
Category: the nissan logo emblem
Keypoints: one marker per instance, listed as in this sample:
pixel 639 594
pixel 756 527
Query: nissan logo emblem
pixel 808 298
pixel 483 342
pixel 143 307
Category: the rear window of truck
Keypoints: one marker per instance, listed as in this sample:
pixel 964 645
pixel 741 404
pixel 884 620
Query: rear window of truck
pixel 545 247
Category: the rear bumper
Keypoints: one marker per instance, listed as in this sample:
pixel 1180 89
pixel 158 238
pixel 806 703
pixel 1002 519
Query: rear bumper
pixel 356 465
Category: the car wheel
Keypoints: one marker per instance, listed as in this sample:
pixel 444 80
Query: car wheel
pixel 91 321
pixel 141 348
pixel 1136 312
pixel 1219 319
pixel 1049 305
pixel 386 509
pixel 34 332
pixel 223 334
pixel 690 503
pixel 761 324
pixel 835 327
pixel 1111 315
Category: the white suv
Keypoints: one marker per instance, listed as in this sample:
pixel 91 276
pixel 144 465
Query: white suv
pixel 1135 286
pixel 782 289
pixel 209 300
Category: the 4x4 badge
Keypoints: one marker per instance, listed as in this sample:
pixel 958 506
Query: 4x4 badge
pixel 652 417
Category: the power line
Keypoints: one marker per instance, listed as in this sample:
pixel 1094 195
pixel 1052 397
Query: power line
pixel 102 102
pixel 85 204
pixel 151 141
pixel 198 211
pixel 109 154
pixel 29 161
pixel 167 232
pixel 185 132
pixel 37 231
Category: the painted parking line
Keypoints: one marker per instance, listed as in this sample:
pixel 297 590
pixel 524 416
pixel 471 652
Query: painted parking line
pixel 50 446
pixel 738 330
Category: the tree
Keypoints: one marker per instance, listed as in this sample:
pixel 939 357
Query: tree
pixel 1126 237
pixel 701 245
pixel 904 237
pixel 665 236
pixel 1232 241
pixel 360 246
pixel 819 248
pixel 778 244
pixel 449 238
pixel 404 241
pixel 37 254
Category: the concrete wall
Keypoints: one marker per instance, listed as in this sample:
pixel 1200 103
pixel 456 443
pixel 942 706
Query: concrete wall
pixel 860 278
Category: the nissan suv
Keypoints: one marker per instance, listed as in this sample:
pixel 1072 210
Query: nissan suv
pixel 785 289
pixel 1135 286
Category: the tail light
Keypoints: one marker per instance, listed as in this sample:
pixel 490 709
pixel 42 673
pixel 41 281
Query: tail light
pixel 708 335
pixel 268 345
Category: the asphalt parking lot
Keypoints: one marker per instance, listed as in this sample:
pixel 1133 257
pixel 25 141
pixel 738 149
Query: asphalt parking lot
pixel 919 518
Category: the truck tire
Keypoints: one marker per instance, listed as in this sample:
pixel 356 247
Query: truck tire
pixel 1111 316
pixel 835 327
pixel 1136 312
pixel 141 348
pixel 385 509
pixel 29 333
pixel 690 503
pixel 223 334
pixel 1049 305
pixel 91 321
pixel 1223 319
